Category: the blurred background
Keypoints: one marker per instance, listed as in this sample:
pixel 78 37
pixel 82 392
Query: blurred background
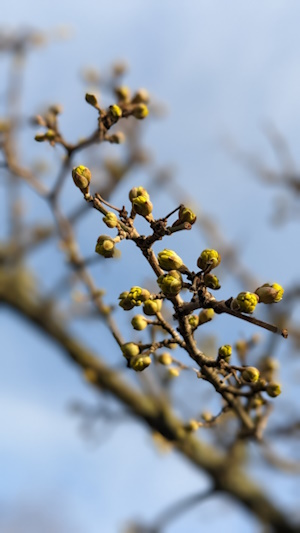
pixel 224 81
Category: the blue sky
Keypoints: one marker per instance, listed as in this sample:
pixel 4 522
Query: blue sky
pixel 224 70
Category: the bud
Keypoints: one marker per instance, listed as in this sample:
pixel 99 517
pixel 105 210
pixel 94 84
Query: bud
pixel 192 425
pixel 206 315
pixel 193 321
pixel 165 359
pixel 169 260
pixel 171 283
pixel 50 135
pixel 151 307
pixel 105 246
pixel 56 109
pixel 140 364
pixel 142 206
pixel 40 137
pixel 245 302
pixel 91 99
pixel 173 372
pixel 122 93
pixel 207 416
pixel 137 295
pixel 130 349
pixel 225 352
pixel 209 259
pixel 111 220
pixel 273 389
pixel 125 302
pixel 250 374
pixel 269 294
pixel 140 111
pixel 115 111
pixel 211 281
pixel 138 191
pixel 116 138
pixel 186 215
pixel 82 177
pixel 141 97
pixel 139 322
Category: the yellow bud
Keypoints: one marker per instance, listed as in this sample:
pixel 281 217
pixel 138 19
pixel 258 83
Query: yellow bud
pixel 165 359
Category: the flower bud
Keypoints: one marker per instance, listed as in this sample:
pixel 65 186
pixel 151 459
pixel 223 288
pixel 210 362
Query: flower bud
pixel 186 215
pixel 225 352
pixel 192 425
pixel 171 283
pixel 82 177
pixel 173 372
pixel 245 302
pixel 142 206
pixel 165 359
pixel 125 302
pixel 50 135
pixel 273 389
pixel 116 138
pixel 151 307
pixel 138 191
pixel 250 374
pixel 206 315
pixel 130 349
pixel 269 294
pixel 91 99
pixel 141 97
pixel 193 321
pixel 105 246
pixel 40 137
pixel 169 260
pixel 140 364
pixel 56 109
pixel 140 111
pixel 211 281
pixel 139 322
pixel 209 259
pixel 122 93
pixel 138 295
pixel 115 111
pixel 111 220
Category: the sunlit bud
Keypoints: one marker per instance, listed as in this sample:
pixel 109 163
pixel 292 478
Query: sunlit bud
pixel 209 259
pixel 169 260
pixel 138 191
pixel 171 283
pixel 245 302
pixel 250 374
pixel 206 416
pixel 105 246
pixel 225 352
pixel 141 97
pixel 82 177
pixel 193 321
pixel 165 359
pixel 50 135
pixel 269 294
pixel 110 219
pixel 138 295
pixel 91 99
pixel 122 93
pixel 140 111
pixel 273 389
pixel 40 137
pixel 115 111
pixel 173 372
pixel 211 281
pixel 206 315
pixel 192 425
pixel 186 215
pixel 140 364
pixel 151 307
pixel 130 349
pixel 142 206
pixel 139 322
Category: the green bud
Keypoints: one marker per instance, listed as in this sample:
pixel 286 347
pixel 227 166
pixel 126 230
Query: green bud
pixel 105 246
pixel 142 206
pixel 91 99
pixel 138 191
pixel 269 294
pixel 186 215
pixel 169 260
pixel 111 220
pixel 40 137
pixel 245 302
pixel 50 135
pixel 140 111
pixel 82 177
pixel 165 359
pixel 139 322
pixel 250 374
pixel 209 259
pixel 193 321
pixel 211 281
pixel 140 364
pixel 225 352
pixel 273 389
pixel 151 307
pixel 206 315
pixel 171 283
pixel 138 295
pixel 173 372
pixel 130 349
